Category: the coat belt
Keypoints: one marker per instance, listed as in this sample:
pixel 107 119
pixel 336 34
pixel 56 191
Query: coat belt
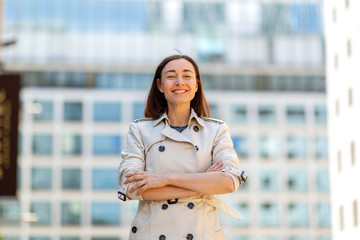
pixel 215 202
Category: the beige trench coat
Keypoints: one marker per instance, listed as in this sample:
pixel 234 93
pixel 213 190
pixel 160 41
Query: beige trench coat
pixel 155 146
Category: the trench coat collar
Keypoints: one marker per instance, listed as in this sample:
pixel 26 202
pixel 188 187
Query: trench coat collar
pixel 193 115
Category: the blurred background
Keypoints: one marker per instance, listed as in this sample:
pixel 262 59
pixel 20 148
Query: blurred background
pixel 86 67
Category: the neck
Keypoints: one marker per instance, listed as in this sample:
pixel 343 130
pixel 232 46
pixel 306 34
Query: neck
pixel 178 116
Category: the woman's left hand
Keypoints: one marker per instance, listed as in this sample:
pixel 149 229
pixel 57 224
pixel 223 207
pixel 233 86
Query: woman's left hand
pixel 146 180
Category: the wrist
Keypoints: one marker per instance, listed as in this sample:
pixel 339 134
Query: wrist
pixel 170 178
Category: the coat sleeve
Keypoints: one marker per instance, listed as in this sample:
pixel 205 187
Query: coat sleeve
pixel 223 149
pixel 132 160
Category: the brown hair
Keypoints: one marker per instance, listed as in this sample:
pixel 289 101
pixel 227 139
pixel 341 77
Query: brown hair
pixel 156 103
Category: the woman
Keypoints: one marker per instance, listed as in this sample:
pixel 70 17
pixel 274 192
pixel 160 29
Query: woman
pixel 177 158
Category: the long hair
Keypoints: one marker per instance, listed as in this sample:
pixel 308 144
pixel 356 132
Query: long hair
pixel 156 103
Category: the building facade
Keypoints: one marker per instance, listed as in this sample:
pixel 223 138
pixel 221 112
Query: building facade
pixel 86 68
pixel 342 55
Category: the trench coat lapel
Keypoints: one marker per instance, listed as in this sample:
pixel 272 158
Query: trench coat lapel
pixel 175 135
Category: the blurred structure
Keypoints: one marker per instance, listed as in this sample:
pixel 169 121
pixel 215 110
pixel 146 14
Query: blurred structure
pixel 343 57
pixel 87 66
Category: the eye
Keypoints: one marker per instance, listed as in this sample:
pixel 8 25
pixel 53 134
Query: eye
pixel 170 77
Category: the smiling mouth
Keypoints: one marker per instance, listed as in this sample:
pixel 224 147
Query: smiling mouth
pixel 179 91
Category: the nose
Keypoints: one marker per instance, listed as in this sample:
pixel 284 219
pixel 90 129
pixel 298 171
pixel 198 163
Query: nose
pixel 179 81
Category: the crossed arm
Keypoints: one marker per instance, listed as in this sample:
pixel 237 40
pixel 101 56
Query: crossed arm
pixel 154 186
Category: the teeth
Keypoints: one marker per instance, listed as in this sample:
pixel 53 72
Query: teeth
pixel 179 91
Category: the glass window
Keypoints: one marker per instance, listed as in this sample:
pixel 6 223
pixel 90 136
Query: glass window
pixel 269 180
pixel 297 180
pixel 10 237
pixel 214 109
pixel 42 211
pixel 71 144
pixel 20 144
pixel 238 113
pixel 240 146
pixel 294 18
pixel 42 144
pixel 268 147
pixel 106 144
pixel 298 214
pixel 295 114
pixel 105 238
pixel 41 179
pixel 105 213
pixel 107 112
pixel 73 111
pixel 46 111
pixel 323 180
pixel 39 238
pixel 123 80
pixel 266 114
pixel 299 238
pixel 321 147
pixel 324 238
pixel 138 110
pixel 104 179
pixel 239 238
pixel 9 213
pixel 245 214
pixel 269 238
pixel 323 214
pixel 269 215
pixel 209 17
pixel 320 114
pixel 71 178
pixel 70 213
pixel 296 147
pixel 69 238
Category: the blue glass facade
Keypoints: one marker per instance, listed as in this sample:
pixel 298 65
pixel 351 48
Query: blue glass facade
pixel 41 178
pixel 106 145
pixel 104 179
pixel 105 213
pixel 243 47
pixel 42 144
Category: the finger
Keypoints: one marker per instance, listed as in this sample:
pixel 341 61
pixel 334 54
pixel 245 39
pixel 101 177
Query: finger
pixel 220 162
pixel 134 174
pixel 143 189
pixel 133 178
pixel 137 186
pixel 217 165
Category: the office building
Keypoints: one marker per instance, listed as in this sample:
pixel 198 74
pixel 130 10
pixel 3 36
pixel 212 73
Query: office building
pixel 343 56
pixel 86 68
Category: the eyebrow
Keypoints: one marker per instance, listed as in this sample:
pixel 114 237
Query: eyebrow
pixel 185 70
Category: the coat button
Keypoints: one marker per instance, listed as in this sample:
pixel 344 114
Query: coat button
pixel 197 148
pixel 189 237
pixel 162 237
pixel 190 205
pixel 134 229
pixel 164 206
pixel 161 148
pixel 196 128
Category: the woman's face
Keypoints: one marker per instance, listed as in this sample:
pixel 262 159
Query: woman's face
pixel 178 82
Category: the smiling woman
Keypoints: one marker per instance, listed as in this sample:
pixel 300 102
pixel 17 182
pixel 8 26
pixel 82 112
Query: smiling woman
pixel 177 158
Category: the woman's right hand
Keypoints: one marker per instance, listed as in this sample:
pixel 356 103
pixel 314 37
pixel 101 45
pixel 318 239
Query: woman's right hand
pixel 215 167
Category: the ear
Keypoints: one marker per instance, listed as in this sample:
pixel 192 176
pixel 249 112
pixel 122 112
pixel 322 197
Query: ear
pixel 159 85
